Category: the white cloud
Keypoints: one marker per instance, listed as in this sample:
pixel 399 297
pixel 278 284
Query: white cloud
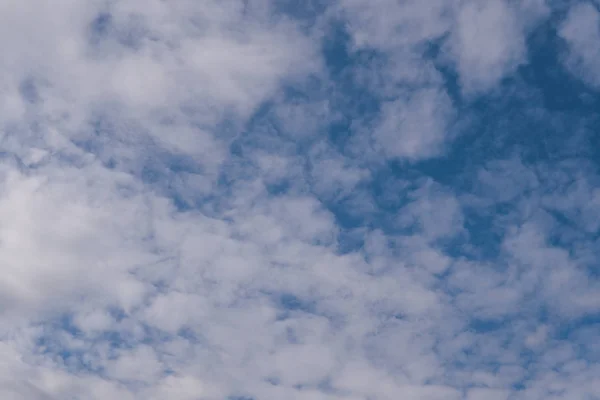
pixel 147 254
pixel 416 126
pixel 483 41
pixel 538 337
pixel 434 211
pixel 492 394
pixel 581 31
pixel 486 44
pixel 333 176
pixel 389 24
pixel 55 223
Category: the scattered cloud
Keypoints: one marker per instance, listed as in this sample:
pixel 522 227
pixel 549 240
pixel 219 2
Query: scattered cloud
pixel 328 200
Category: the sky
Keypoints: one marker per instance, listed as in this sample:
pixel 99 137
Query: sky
pixel 304 200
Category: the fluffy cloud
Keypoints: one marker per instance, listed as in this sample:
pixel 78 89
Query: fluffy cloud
pixel 265 200
pixel 415 127
pixel 581 31
pixel 487 44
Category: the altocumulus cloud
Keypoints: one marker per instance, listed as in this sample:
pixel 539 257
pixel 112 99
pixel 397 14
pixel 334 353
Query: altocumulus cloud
pixel 318 200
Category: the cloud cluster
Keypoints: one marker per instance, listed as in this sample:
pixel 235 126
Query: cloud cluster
pixel 260 200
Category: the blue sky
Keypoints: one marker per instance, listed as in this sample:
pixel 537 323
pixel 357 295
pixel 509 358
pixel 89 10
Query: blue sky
pixel 318 200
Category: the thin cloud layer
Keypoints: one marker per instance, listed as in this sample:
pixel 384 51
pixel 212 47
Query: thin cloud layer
pixel 328 200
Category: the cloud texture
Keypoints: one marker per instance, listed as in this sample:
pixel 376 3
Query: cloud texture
pixel 272 199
